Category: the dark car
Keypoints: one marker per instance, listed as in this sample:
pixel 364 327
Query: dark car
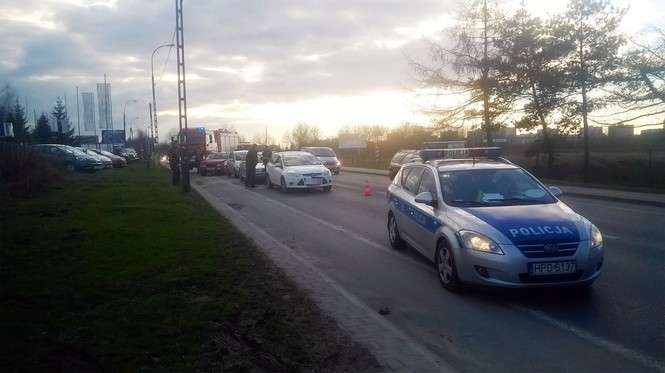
pixel 400 158
pixel 116 160
pixel 214 163
pixel 128 153
pixel 68 157
pixel 327 156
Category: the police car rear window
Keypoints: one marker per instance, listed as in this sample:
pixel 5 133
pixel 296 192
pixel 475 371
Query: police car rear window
pixel 410 178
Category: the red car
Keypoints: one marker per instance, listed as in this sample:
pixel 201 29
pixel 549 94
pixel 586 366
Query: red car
pixel 117 160
pixel 214 163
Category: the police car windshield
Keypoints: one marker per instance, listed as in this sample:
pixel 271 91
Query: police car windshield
pixel 300 160
pixel 497 187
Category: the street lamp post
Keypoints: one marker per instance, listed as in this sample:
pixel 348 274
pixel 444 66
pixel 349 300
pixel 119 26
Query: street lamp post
pixel 154 103
pixel 124 120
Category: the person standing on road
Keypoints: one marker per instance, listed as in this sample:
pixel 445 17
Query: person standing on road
pixel 267 155
pixel 251 159
pixel 173 163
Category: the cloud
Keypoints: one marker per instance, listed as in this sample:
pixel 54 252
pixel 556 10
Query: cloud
pixel 333 62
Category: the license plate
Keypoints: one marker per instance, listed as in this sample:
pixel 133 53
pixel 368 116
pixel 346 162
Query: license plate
pixel 314 181
pixel 551 268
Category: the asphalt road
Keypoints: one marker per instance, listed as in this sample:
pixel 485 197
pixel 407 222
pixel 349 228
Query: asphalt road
pixel 616 326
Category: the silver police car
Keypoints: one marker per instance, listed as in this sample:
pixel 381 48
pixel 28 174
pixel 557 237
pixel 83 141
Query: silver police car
pixel 484 220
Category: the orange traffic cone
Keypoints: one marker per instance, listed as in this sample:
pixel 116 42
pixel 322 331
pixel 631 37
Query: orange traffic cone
pixel 367 191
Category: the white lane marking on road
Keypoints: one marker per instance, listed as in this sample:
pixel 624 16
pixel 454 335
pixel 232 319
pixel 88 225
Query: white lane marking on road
pixel 616 348
pixel 338 228
pixel 248 227
pixel 597 203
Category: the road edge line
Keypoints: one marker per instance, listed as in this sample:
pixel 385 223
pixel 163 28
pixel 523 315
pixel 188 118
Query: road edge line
pixel 264 241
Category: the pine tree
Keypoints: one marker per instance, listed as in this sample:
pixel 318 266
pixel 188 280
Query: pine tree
pixel 21 131
pixel 64 133
pixel 532 77
pixel 468 68
pixel 42 133
pixel 593 28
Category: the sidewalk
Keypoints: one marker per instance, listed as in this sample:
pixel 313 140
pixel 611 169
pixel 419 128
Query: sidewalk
pixel 651 199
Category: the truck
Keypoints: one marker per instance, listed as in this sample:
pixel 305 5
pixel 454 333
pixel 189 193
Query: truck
pixel 194 145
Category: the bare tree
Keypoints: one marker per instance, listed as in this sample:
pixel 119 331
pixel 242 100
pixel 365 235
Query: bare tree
pixel 639 91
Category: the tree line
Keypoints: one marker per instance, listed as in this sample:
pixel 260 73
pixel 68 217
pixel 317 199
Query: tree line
pixel 11 111
pixel 552 74
pixel 558 75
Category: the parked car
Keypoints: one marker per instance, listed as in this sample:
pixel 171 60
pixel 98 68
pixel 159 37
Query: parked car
pixel 298 170
pixel 327 156
pixel 214 163
pixel 117 160
pixel 68 157
pixel 260 170
pixel 106 161
pixel 400 158
pixel 128 153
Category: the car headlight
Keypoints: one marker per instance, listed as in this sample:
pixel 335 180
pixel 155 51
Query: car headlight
pixel 476 241
pixel 596 237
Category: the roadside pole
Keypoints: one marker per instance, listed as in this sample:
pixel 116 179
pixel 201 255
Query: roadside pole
pixel 182 95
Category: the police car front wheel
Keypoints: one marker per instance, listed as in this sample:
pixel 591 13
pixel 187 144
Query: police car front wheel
pixel 393 233
pixel 445 265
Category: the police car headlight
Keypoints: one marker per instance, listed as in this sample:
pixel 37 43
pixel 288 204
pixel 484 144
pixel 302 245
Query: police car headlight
pixel 596 237
pixel 476 241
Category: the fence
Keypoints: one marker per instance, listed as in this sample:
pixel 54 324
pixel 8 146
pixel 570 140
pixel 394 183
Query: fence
pixel 634 166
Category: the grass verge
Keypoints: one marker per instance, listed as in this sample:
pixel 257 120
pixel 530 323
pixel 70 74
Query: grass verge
pixel 119 271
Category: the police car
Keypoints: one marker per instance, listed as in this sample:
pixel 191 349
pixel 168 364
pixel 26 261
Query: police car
pixel 484 220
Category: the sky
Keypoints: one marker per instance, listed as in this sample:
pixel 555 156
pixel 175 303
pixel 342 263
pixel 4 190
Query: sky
pixel 250 64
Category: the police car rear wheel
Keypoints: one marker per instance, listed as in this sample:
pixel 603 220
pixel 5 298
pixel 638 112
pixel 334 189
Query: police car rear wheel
pixel 393 233
pixel 445 265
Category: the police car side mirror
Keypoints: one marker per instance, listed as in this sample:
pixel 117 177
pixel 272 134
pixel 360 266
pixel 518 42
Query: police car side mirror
pixel 426 198
pixel 556 191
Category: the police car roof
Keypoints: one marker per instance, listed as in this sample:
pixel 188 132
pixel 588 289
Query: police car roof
pixel 471 164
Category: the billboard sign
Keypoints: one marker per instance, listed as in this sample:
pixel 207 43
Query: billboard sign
pixel 88 99
pixel 351 141
pixel 104 105
pixel 113 136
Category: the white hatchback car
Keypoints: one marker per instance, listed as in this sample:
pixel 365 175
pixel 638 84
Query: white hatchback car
pixel 297 170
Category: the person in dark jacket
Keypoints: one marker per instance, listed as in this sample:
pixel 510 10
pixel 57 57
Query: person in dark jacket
pixel 251 160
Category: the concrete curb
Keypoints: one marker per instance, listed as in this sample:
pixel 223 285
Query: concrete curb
pixel 395 350
pixel 563 187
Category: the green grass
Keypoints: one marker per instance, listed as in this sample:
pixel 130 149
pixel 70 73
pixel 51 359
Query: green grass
pixel 120 271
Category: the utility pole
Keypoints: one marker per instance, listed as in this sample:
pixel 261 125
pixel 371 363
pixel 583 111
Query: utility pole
pixel 124 119
pixel 182 95
pixel 78 119
pixel 154 102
